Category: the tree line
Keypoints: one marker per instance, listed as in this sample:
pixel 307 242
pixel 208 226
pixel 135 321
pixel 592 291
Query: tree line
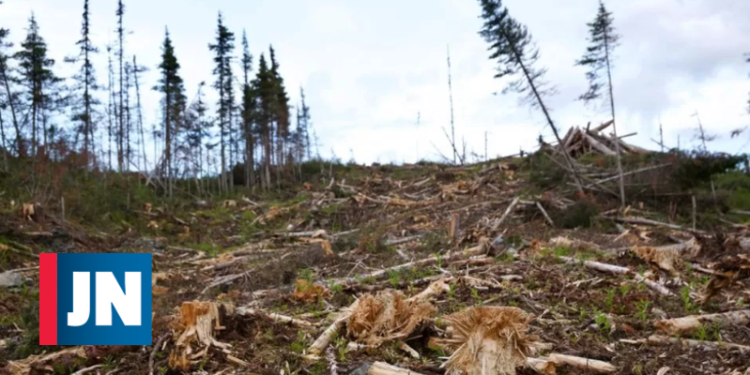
pixel 249 139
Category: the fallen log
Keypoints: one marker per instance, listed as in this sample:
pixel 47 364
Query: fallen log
pixel 582 363
pixel 611 268
pixel 243 310
pixel 693 322
pixel 382 368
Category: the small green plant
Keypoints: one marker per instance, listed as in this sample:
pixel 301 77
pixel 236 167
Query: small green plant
pixel 701 333
pixel 439 261
pixel 475 296
pixel 340 344
pixel 642 313
pixel 602 321
pixel 624 290
pixel 299 345
pixel 687 303
pixel 306 274
pixel 741 303
pixel 638 369
pixel 451 291
pixel 394 278
pixel 610 299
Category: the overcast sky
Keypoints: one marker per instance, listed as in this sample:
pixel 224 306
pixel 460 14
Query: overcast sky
pixel 368 68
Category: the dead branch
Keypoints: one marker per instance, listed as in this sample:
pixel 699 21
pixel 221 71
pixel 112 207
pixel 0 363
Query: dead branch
pixel 659 339
pixel 690 323
pixel 546 216
pixel 611 268
pixel 505 214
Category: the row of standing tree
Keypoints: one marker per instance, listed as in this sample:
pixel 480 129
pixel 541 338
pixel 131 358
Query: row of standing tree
pixel 44 117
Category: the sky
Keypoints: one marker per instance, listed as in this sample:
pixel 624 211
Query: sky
pixel 375 74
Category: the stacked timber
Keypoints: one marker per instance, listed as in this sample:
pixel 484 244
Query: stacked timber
pixel 579 141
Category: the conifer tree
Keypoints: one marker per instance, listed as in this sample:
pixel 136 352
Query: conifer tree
pixel 280 109
pixel 222 59
pixel 511 45
pixel 266 95
pixel 11 97
pixel 248 108
pixel 83 109
pixel 121 112
pixel 38 78
pixel 171 86
pixel 598 59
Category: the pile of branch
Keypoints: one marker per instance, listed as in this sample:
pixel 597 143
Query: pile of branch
pixel 579 141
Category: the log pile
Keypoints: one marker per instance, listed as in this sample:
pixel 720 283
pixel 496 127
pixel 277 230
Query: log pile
pixel 581 141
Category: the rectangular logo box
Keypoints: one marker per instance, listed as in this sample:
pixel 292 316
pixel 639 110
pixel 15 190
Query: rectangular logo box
pixel 95 299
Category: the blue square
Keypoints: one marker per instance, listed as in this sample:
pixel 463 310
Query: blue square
pixel 89 333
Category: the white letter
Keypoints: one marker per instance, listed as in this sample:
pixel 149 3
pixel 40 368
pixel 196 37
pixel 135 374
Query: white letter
pixel 81 296
pixel 109 294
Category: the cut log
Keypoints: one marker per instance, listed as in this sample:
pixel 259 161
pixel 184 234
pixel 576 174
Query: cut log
pixel 382 368
pixel 599 146
pixel 541 366
pixel 693 322
pixel 602 126
pixel 582 363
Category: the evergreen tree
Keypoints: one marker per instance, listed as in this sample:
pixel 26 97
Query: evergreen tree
pixel 511 45
pixel 223 71
pixel 83 109
pixel 280 109
pixel 266 96
pixel 121 112
pixel 171 86
pixel 248 109
pixel 598 58
pixel 11 97
pixel 38 78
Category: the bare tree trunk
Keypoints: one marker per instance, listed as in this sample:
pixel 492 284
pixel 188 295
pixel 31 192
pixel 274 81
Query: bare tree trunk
pixel 19 141
pixel 5 145
pixel 614 122
pixel 450 96
pixel 546 114
pixel 142 165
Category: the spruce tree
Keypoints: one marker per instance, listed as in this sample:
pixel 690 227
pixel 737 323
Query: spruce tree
pixel 248 108
pixel 83 108
pixel 38 79
pixel 598 59
pixel 265 90
pixel 280 109
pixel 511 45
pixel 11 97
pixel 171 86
pixel 223 71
